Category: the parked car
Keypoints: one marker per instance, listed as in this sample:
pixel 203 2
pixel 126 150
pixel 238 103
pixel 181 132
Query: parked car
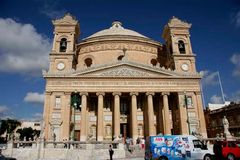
pixel 176 147
pixel 231 150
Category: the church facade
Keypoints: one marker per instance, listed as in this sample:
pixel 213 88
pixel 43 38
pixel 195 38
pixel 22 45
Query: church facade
pixel 119 83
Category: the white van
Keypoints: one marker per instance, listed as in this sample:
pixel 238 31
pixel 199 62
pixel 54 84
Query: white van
pixel 176 147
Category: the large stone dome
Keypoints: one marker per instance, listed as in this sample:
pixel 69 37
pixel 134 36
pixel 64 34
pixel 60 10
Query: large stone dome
pixel 116 30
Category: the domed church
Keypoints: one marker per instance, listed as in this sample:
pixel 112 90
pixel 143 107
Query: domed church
pixel 118 83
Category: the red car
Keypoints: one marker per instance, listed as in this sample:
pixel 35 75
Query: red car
pixel 231 150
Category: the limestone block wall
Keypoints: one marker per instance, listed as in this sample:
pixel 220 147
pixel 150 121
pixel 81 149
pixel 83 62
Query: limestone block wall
pixel 62 153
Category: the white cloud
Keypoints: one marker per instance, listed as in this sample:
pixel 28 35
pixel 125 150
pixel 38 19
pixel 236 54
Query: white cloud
pixel 37 116
pixel 22 49
pixel 209 78
pixel 235 97
pixel 34 97
pixel 6 113
pixel 33 118
pixel 216 99
pixel 237 19
pixel 235 59
pixel 3 109
pixel 52 10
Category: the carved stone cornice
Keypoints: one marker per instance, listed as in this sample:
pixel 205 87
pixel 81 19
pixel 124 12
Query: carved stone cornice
pixel 119 72
pixel 133 46
pixel 56 122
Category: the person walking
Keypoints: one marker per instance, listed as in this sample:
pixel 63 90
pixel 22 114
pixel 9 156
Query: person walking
pixel 217 149
pixel 110 152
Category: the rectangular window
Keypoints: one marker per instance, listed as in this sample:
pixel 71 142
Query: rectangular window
pixel 58 102
pixel 189 102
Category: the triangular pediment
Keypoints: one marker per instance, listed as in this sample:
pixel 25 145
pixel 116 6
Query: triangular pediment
pixel 124 69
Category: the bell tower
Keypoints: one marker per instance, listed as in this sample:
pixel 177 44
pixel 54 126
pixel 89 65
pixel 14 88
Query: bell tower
pixel 66 34
pixel 177 37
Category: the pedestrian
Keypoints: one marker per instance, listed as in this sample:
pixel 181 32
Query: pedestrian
pixel 110 152
pixel 217 149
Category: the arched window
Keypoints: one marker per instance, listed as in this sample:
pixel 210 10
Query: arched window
pixel 181 47
pixel 88 62
pixel 63 45
pixel 120 57
pixel 154 62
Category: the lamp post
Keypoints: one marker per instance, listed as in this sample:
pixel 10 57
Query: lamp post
pixel 75 103
pixel 186 105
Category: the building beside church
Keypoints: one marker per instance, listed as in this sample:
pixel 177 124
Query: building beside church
pixel 214 117
pixel 119 83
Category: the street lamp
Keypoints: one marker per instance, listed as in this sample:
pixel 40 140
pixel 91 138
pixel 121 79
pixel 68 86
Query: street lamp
pixel 75 103
pixel 186 105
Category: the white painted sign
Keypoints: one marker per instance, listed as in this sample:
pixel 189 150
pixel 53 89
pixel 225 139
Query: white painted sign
pixel 77 117
pixel 56 115
pixel 92 118
pixel 108 118
pixel 140 118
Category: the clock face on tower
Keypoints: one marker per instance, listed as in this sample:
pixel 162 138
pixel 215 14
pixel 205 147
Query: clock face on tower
pixel 60 66
pixel 184 67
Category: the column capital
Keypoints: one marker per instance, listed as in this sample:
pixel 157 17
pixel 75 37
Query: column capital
pixel 198 92
pixel 150 93
pixel 165 93
pixel 83 93
pixel 48 93
pixel 116 93
pixel 133 93
pixel 100 93
pixel 67 93
pixel 182 93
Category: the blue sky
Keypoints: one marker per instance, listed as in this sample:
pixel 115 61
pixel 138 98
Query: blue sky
pixel 26 34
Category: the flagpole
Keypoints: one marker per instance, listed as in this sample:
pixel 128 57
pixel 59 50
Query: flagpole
pixel 203 100
pixel 221 87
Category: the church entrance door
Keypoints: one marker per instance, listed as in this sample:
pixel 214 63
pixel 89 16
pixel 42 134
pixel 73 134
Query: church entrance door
pixel 124 131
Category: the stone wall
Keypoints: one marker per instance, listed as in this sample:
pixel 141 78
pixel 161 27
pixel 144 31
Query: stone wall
pixel 90 153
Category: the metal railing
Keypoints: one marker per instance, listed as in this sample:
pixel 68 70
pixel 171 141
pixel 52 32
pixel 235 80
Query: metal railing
pixel 64 144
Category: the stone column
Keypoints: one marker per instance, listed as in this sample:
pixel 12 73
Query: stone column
pixel 160 119
pixel 150 113
pixel 66 115
pixel 202 128
pixel 167 129
pixel 116 114
pixel 183 114
pixel 46 113
pixel 100 116
pixel 134 116
pixel 83 136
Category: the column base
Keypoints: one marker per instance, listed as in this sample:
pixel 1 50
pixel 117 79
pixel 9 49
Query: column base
pixel 83 139
pixel 135 139
pixel 99 138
